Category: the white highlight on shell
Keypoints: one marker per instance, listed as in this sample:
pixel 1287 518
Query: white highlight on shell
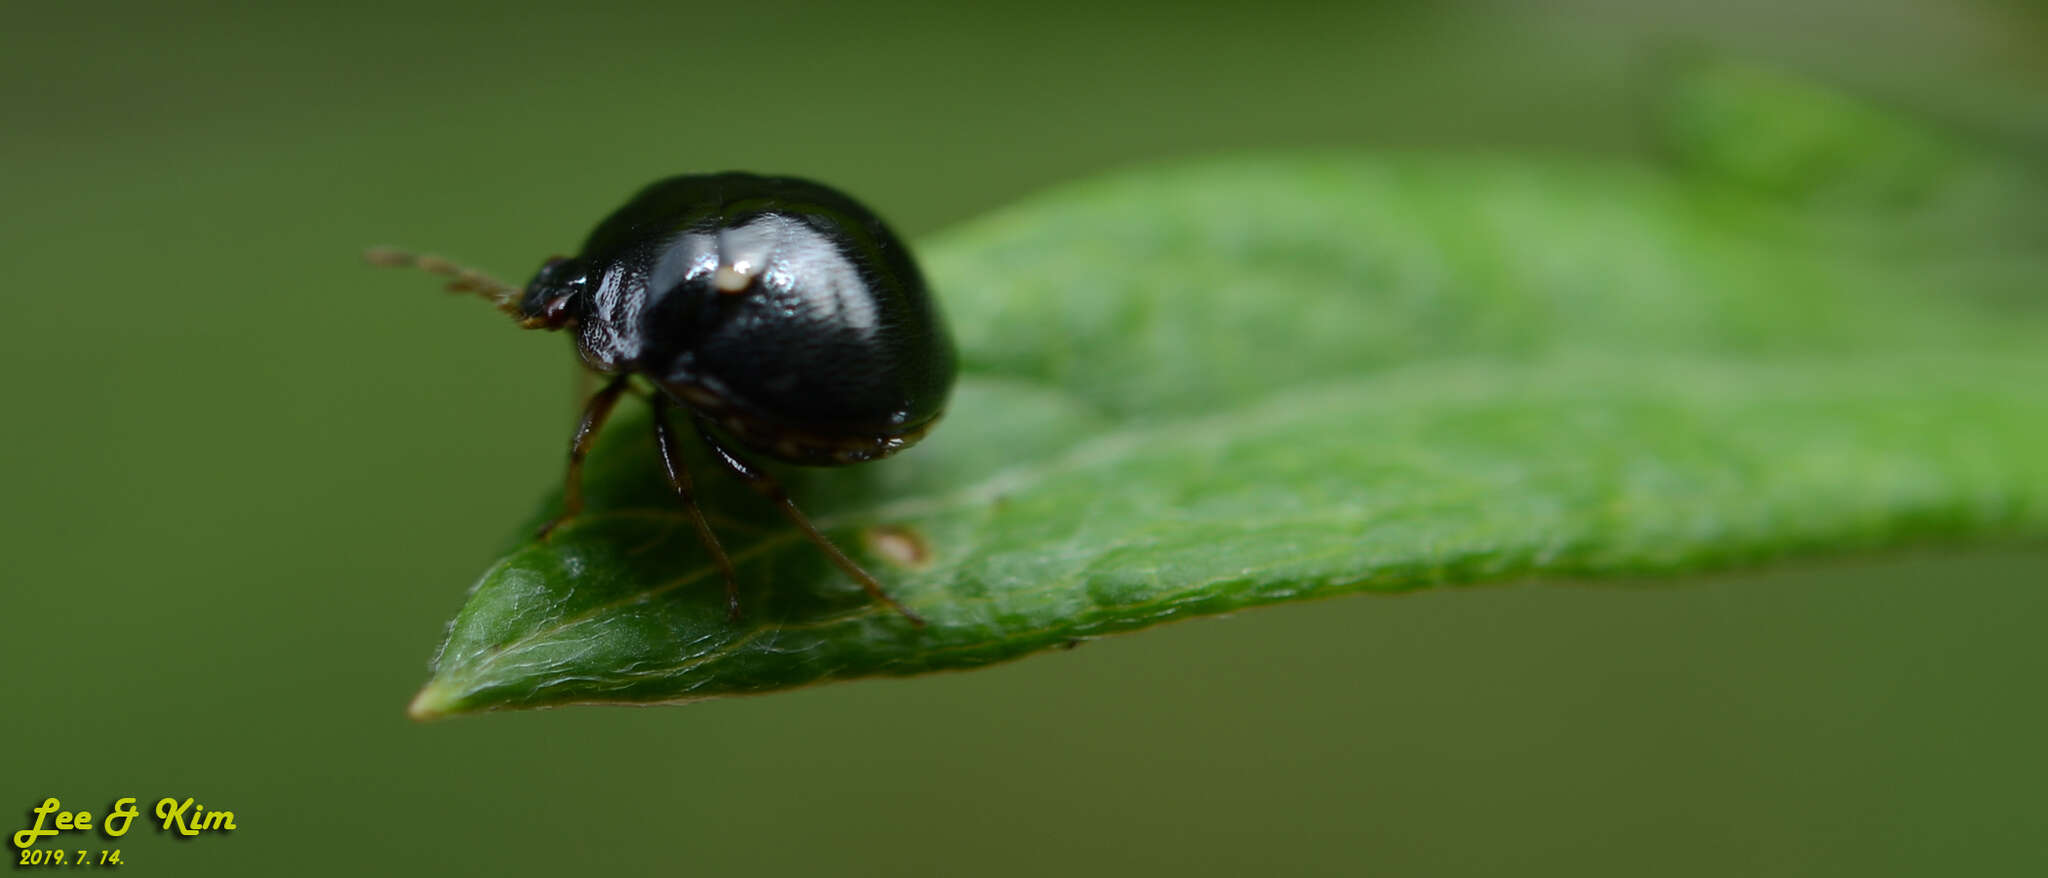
pixel 731 279
pixel 769 255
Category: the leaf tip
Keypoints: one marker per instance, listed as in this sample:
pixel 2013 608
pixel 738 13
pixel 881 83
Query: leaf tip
pixel 436 700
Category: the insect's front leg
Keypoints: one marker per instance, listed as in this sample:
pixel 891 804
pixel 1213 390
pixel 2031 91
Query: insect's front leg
pixel 594 414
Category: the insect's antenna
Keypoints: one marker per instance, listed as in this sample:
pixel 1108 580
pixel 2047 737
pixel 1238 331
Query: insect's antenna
pixel 460 279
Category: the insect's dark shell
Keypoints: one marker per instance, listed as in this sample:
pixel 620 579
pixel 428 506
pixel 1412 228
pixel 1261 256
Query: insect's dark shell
pixel 833 353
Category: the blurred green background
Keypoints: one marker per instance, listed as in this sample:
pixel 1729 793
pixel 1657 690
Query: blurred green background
pixel 248 480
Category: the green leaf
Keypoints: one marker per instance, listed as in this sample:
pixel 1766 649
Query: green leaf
pixel 1195 389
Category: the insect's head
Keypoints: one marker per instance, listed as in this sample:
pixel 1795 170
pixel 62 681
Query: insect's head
pixel 556 296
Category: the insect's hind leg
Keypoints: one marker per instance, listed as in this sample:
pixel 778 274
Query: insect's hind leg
pixel 679 479
pixel 766 484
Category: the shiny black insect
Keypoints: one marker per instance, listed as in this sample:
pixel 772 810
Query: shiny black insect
pixel 780 314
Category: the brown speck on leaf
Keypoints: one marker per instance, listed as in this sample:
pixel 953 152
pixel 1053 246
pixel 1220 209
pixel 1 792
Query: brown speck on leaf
pixel 901 546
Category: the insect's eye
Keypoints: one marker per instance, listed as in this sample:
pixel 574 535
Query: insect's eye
pixel 555 294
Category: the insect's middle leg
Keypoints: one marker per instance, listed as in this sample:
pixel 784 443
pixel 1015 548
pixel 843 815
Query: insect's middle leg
pixel 679 479
pixel 594 414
